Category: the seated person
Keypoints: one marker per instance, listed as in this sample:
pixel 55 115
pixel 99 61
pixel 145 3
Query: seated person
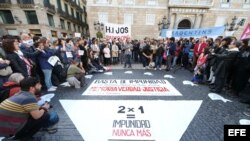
pixel 22 117
pixel 75 74
pixel 11 87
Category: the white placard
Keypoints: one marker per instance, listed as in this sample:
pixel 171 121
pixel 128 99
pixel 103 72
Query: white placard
pixel 131 120
pixel 69 54
pixel 77 34
pixel 121 31
pixel 141 87
pixel 53 60
pixel 81 52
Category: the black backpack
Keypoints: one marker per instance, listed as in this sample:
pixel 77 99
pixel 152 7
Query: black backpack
pixel 5 92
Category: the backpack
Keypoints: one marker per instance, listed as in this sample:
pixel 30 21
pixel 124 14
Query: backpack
pixel 5 92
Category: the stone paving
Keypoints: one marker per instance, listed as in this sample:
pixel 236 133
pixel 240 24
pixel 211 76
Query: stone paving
pixel 207 125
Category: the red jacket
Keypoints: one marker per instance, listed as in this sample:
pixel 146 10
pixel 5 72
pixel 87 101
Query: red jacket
pixel 13 90
pixel 199 47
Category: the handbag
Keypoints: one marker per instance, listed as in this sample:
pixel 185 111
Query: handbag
pixel 165 55
pixel 6 71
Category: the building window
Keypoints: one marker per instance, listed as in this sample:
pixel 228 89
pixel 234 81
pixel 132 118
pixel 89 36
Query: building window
pixel 128 19
pixel 103 17
pixel 72 12
pixel 13 32
pixel 129 2
pixel 152 2
pixel 31 17
pixel 79 28
pixel 150 19
pixel 66 8
pixel 69 26
pixel 62 23
pixel 246 1
pixel 102 1
pixel 6 17
pixel 36 32
pixel 74 27
pixel 225 1
pixel 51 20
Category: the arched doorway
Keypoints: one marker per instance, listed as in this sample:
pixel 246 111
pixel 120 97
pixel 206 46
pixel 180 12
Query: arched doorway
pixel 184 24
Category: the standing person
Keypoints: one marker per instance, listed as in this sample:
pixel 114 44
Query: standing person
pixel 22 117
pixel 146 55
pixel 84 54
pixel 44 64
pixel 198 50
pixel 159 55
pixel 115 53
pixel 107 55
pixel 128 54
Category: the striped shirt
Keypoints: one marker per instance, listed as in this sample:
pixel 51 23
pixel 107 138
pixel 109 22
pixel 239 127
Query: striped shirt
pixel 15 111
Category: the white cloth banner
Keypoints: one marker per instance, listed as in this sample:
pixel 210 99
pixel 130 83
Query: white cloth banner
pixel 117 31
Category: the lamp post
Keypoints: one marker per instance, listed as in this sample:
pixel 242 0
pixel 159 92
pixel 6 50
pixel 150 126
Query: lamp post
pixel 164 23
pixel 99 27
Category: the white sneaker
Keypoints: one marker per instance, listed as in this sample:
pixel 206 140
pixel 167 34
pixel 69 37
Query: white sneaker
pixel 54 87
pixel 51 89
pixel 155 69
pixel 159 68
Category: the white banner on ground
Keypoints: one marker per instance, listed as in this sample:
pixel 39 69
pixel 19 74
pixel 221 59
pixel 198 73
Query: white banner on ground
pixel 141 87
pixel 130 120
pixel 117 31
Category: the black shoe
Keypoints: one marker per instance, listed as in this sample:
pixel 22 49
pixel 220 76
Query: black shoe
pixel 245 101
pixel 50 130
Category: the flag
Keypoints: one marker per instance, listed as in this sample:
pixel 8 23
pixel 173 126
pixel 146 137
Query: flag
pixel 246 32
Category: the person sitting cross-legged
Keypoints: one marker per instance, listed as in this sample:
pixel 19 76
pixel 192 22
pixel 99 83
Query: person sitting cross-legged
pixel 21 117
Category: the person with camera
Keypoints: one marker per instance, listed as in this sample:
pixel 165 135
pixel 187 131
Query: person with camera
pixel 21 117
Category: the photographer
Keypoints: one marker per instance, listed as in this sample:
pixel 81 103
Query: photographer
pixel 20 115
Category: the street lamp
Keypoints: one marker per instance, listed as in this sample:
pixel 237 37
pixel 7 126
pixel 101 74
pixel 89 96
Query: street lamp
pixel 233 26
pixel 164 23
pixel 99 27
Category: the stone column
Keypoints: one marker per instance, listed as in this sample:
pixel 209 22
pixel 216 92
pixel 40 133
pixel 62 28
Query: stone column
pixel 201 15
pixel 195 19
pixel 173 20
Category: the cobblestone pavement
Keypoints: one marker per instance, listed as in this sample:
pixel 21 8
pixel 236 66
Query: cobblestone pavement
pixel 207 125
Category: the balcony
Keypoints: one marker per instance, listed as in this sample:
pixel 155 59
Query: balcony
pixel 191 3
pixel 49 7
pixel 73 3
pixel 5 4
pixel 63 14
pixel 26 3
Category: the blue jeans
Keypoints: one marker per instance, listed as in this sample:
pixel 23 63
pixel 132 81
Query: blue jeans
pixel 47 76
pixel 32 126
pixel 158 61
pixel 127 60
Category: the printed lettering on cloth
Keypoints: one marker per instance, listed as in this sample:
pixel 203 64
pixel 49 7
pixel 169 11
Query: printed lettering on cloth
pixel 213 31
pixel 117 31
pixel 142 87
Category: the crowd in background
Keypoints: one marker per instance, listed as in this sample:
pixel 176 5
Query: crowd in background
pixel 222 63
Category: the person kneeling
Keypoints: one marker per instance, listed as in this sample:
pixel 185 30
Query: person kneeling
pixel 21 117
pixel 75 75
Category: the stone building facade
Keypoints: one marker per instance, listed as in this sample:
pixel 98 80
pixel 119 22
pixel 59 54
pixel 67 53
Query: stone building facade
pixel 144 15
pixel 49 18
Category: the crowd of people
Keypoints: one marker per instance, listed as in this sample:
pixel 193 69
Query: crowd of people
pixel 30 63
